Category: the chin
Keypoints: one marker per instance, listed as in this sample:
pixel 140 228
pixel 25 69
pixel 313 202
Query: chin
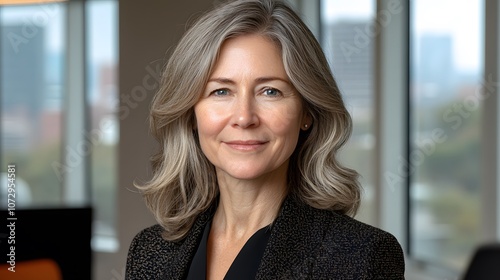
pixel 245 174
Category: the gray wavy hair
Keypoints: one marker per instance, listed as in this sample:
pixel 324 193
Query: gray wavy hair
pixel 184 182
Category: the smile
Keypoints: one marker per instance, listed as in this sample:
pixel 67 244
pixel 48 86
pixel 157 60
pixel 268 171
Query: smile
pixel 250 145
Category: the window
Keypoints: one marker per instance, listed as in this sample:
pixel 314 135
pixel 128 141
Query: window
pixel 350 52
pixel 446 70
pixel 102 98
pixel 32 59
pixel 59 123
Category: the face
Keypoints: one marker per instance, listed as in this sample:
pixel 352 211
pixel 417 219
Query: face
pixel 249 116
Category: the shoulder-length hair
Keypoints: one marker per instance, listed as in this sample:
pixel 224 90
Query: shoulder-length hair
pixel 184 183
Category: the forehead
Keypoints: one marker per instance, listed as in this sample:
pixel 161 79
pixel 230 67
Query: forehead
pixel 249 53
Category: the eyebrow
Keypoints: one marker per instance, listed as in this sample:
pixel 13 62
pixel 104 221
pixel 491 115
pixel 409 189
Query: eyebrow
pixel 258 80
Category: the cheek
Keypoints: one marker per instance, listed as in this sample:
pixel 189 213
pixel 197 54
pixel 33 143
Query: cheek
pixel 208 122
pixel 205 133
pixel 288 121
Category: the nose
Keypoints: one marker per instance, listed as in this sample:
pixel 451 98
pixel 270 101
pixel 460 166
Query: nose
pixel 245 111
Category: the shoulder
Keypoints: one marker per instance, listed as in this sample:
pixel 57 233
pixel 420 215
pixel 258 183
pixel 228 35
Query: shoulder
pixel 150 233
pixel 350 230
pixel 147 251
pixel 338 225
pixel 354 234
pixel 346 242
pixel 375 253
pixel 331 222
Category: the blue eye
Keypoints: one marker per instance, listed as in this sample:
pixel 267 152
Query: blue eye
pixel 220 92
pixel 271 92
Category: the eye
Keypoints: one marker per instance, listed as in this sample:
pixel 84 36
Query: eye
pixel 271 92
pixel 220 92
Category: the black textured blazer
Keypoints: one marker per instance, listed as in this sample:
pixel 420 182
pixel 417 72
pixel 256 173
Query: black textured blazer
pixel 305 243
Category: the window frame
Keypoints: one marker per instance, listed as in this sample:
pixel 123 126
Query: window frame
pixel 490 189
pixel 491 123
pixel 393 134
pixel 73 168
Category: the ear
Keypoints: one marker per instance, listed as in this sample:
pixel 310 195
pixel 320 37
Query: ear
pixel 306 122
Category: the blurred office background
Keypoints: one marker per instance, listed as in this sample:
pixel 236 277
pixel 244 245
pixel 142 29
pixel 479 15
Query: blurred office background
pixel 420 77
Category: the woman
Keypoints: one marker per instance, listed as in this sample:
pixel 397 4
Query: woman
pixel 246 184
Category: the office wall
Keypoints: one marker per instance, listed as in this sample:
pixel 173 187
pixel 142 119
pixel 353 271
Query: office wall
pixel 147 29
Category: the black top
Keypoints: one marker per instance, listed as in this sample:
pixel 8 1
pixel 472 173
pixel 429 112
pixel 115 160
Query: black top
pixel 244 266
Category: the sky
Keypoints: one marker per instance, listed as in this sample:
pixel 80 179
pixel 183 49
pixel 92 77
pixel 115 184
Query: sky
pixel 460 19
pixel 49 17
pixel 101 16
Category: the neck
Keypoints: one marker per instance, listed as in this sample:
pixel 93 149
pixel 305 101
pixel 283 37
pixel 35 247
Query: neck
pixel 246 206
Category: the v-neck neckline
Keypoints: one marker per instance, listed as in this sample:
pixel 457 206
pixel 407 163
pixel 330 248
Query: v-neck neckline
pixel 245 265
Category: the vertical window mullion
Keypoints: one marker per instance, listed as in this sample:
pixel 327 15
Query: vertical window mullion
pixel 103 133
pixel 490 131
pixel 390 116
pixel 77 148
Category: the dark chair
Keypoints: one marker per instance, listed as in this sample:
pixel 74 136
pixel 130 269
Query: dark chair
pixel 485 263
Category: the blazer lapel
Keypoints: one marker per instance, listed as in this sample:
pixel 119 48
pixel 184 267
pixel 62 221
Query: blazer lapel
pixel 178 269
pixel 289 253
pixel 290 250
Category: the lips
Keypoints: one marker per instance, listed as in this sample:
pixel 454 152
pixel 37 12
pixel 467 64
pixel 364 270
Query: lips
pixel 246 145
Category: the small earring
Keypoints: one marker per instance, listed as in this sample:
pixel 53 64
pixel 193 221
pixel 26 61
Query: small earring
pixel 306 126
